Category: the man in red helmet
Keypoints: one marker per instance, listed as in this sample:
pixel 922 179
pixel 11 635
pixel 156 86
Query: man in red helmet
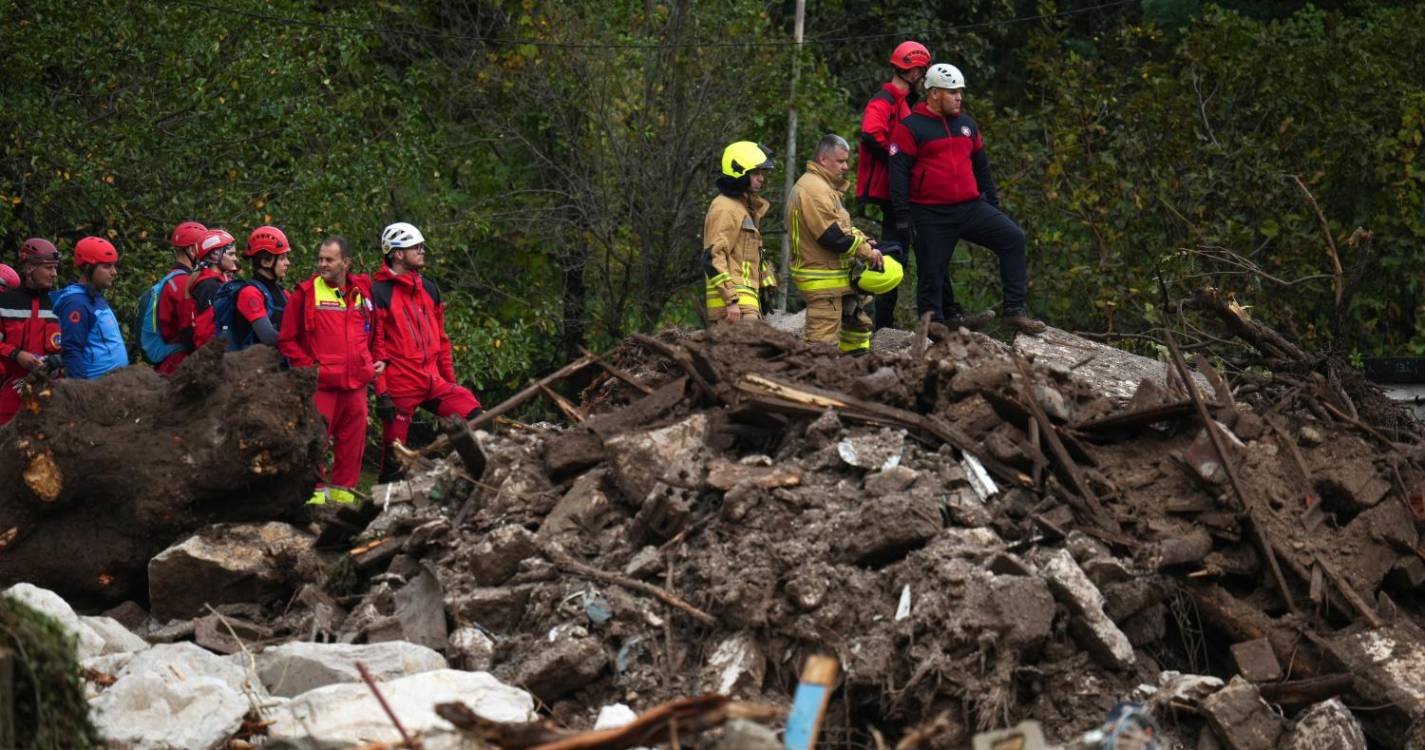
pixel 412 343
pixel 888 106
pixel 29 332
pixel 90 342
pixel 172 299
pixel 217 262
pixel 330 326
pixel 261 300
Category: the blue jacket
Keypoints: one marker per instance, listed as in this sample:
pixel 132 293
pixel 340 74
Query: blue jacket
pixel 89 339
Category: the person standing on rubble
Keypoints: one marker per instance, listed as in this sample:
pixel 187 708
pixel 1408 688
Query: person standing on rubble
pixel 217 262
pixel 732 239
pixel 29 331
pixel 411 344
pixel 888 106
pixel 941 185
pixel 91 345
pixel 171 305
pixel 330 325
pixel 825 245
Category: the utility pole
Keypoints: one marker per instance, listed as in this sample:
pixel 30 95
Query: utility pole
pixel 789 164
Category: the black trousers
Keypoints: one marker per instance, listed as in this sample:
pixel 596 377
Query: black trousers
pixel 938 229
pixel 885 305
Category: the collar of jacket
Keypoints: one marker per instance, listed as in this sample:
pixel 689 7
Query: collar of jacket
pixel 409 278
pixel 890 88
pixel 839 184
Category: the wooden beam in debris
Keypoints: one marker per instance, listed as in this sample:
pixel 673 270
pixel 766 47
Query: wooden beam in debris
pixel 616 372
pixel 513 402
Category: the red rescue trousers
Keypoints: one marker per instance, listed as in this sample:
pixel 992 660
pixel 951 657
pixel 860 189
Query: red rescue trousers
pixel 9 401
pixel 443 398
pixel 345 412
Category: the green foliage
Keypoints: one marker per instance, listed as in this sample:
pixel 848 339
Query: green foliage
pixel 50 710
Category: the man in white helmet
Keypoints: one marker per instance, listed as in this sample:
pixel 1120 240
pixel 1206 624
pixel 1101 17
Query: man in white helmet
pixel 941 187
pixel 411 344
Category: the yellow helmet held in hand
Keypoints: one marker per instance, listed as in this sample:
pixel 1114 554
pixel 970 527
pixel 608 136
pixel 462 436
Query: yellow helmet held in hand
pixel 744 156
pixel 868 280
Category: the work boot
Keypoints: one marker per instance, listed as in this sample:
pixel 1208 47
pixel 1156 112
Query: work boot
pixel 319 497
pixel 391 469
pixel 971 320
pixel 1024 321
pixel 339 495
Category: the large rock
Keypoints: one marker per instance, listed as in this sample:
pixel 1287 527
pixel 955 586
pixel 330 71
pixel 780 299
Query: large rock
pixel 1241 719
pixel 225 564
pixel 173 697
pixel 294 668
pixel 419 615
pixel 639 459
pixel 570 661
pixel 885 531
pixel 1091 626
pixel 1328 725
pixel 87 643
pixel 1112 372
pixel 498 555
pixel 349 713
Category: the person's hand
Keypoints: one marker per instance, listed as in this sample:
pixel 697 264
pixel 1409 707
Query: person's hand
pixel 734 314
pixel 380 367
pixel 28 360
pixel 385 408
pixel 877 260
pixel 54 363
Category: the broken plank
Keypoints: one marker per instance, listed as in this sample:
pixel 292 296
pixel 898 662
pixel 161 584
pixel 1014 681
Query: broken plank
pixel 616 372
pixel 441 443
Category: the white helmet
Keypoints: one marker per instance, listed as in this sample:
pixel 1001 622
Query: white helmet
pixel 944 76
pixel 400 235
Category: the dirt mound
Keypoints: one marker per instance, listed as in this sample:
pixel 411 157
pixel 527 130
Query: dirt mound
pixel 107 473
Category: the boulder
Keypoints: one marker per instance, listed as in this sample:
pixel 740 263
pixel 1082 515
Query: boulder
pixel 568 662
pixel 295 668
pixel 1241 719
pixel 173 697
pixel 223 564
pixel 640 458
pixel 117 638
pixel 349 713
pixel 1328 725
pixel 87 643
pixel 498 555
pixel 419 616
pixel 880 533
pixel 1091 626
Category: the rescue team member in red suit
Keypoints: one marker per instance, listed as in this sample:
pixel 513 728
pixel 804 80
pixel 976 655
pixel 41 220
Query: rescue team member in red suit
pixel 941 182
pixel 262 300
pixel 29 331
pixel 329 325
pixel 888 106
pixel 411 341
pixel 217 262
pixel 175 328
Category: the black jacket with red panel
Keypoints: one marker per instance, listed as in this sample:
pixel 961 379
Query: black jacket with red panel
pixel 27 324
pixel 887 107
pixel 938 161
pixel 410 333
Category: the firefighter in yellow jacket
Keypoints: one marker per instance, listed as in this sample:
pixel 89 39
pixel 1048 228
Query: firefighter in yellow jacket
pixel 732 238
pixel 827 250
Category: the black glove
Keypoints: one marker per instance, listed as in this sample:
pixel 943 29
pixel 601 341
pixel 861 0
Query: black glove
pixel 474 414
pixel 53 363
pixel 385 408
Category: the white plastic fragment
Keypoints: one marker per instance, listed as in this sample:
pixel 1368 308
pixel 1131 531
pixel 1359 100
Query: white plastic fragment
pixel 980 480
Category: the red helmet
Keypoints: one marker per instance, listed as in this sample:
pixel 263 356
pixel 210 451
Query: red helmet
pixel 909 55
pixel 214 243
pixel 8 278
pixel 94 250
pixel 267 239
pixel 39 250
pixel 187 234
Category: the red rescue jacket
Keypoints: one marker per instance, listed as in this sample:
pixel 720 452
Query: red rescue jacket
pixel 27 324
pixel 887 107
pixel 333 330
pixel 198 303
pixel 410 333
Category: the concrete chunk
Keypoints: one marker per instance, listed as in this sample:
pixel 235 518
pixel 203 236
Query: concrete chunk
pixel 294 668
pixel 1241 719
pixel 1256 661
pixel 1072 588
pixel 1328 725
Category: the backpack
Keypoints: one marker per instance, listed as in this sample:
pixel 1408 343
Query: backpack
pixel 151 342
pixel 225 312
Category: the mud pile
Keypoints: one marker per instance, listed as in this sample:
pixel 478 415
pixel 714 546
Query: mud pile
pixel 976 537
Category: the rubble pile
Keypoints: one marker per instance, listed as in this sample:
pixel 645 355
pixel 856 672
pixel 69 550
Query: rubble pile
pixel 982 534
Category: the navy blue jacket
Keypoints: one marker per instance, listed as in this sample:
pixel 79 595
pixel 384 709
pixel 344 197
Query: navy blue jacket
pixel 89 339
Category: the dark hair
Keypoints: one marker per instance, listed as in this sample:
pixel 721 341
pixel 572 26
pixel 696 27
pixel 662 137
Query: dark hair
pixel 340 243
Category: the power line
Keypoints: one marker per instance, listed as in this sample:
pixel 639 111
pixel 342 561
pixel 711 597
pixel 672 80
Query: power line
pixel 505 41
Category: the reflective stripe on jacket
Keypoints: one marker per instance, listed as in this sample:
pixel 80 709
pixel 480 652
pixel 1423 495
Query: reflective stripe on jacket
pixel 27 324
pixel 331 329
pixel 732 250
pixel 824 241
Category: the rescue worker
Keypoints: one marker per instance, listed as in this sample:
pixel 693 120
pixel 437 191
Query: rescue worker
pixel 941 184
pixel 8 278
pixel 824 245
pixel 732 240
pixel 217 262
pixel 261 301
pixel 90 342
pixel 330 325
pixel 411 344
pixel 172 323
pixel 888 106
pixel 29 331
